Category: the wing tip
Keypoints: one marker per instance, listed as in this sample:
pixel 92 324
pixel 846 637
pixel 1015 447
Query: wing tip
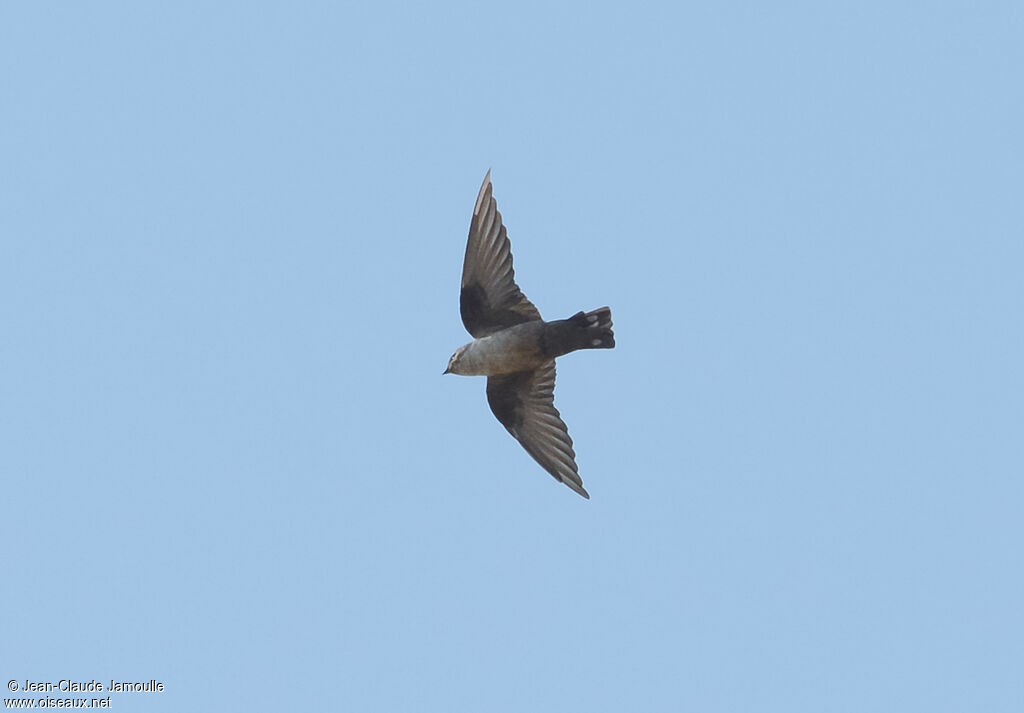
pixel 483 191
pixel 578 487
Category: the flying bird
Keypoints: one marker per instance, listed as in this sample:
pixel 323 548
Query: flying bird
pixel 515 348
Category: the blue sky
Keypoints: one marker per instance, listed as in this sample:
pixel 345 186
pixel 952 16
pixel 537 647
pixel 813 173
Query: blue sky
pixel 231 238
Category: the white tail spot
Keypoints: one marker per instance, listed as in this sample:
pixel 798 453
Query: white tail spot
pixel 595 342
pixel 592 318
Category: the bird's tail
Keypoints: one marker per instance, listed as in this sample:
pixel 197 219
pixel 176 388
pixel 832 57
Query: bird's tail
pixel 592 330
pixel 597 328
pixel 584 330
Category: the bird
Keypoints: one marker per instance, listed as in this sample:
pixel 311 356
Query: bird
pixel 515 348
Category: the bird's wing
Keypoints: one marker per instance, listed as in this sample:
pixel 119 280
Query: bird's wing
pixel 490 300
pixel 525 405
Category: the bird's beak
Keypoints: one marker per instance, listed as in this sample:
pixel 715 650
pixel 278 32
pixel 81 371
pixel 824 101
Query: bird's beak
pixel 446 371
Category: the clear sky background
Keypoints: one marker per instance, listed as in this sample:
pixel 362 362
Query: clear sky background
pixel 231 237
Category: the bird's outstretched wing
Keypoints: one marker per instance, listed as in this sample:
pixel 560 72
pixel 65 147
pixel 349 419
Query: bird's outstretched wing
pixel 490 300
pixel 525 405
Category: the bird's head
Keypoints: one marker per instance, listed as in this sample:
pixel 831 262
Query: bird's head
pixel 453 363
